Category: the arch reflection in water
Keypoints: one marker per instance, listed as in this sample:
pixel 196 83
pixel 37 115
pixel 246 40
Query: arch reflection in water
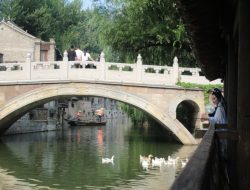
pixel 72 158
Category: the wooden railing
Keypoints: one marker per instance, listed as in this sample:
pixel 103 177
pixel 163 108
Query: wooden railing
pixel 207 168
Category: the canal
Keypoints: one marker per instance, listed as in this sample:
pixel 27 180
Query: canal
pixel 72 158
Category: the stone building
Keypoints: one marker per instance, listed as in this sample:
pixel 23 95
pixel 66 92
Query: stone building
pixel 15 44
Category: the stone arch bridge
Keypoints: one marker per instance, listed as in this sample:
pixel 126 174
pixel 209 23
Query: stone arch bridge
pixel 158 101
pixel 150 88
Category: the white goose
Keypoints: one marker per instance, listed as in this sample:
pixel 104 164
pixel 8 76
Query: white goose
pixel 157 162
pixel 171 161
pixel 146 158
pixel 108 160
pixel 184 163
pixel 145 164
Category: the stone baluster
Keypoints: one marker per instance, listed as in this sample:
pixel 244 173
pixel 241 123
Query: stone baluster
pixel 195 73
pixel 157 70
pixel 65 65
pixel 175 75
pixel 139 68
pixel 65 56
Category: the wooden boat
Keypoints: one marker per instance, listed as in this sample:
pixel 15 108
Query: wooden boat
pixel 86 123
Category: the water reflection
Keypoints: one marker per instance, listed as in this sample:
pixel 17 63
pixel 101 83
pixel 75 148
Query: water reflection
pixel 71 159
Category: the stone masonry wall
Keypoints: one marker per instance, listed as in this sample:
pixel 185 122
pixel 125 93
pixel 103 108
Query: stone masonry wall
pixel 13 45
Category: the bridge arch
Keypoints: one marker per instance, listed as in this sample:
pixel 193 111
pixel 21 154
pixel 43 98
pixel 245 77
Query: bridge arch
pixel 187 112
pixel 189 104
pixel 19 105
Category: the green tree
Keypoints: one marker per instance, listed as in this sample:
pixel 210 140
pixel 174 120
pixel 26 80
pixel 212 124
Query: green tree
pixel 150 27
pixel 120 28
pixel 45 18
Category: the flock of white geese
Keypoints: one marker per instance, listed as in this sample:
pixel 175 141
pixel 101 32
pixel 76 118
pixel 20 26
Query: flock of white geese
pixel 151 161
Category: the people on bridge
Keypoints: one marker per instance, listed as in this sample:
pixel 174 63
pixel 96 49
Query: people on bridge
pixel 86 56
pixel 72 53
pixel 219 115
pixel 78 53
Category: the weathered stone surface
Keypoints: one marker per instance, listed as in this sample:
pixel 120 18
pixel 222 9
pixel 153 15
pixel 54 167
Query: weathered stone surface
pixel 16 43
pixel 159 102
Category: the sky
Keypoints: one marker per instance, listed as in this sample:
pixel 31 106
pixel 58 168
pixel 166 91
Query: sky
pixel 87 4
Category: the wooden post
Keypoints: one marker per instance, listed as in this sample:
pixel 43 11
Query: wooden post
pixel 243 110
pixel 230 88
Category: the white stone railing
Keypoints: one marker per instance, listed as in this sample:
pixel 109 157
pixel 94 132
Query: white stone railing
pixel 100 71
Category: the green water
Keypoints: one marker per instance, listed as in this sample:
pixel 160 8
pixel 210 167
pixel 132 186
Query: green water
pixel 72 158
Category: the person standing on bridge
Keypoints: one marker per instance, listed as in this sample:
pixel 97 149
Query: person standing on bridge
pixel 78 57
pixel 79 53
pixel 86 56
pixel 72 53
pixel 219 115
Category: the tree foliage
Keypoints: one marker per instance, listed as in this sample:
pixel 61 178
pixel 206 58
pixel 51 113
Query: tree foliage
pixel 152 28
pixel 205 87
pixel 120 28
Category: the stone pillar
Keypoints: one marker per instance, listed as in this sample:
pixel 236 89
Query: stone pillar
pixel 102 66
pixel 65 67
pixel 243 109
pixel 65 56
pixel 139 68
pixel 175 75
